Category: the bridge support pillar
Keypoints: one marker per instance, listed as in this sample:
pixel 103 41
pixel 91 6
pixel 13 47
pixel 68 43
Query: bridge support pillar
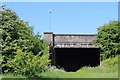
pixel 53 57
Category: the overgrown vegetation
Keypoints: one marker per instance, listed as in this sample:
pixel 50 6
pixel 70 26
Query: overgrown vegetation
pixel 108 39
pixel 107 69
pixel 23 52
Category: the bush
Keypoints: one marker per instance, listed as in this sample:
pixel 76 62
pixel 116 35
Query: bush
pixel 26 63
pixel 23 52
pixel 111 61
pixel 108 40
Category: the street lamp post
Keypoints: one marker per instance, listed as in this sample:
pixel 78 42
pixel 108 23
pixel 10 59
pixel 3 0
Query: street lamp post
pixel 50 19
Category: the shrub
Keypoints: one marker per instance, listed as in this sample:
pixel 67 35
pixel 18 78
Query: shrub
pixel 111 61
pixel 108 40
pixel 22 51
pixel 26 63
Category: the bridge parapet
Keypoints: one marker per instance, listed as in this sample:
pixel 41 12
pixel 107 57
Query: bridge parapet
pixel 70 40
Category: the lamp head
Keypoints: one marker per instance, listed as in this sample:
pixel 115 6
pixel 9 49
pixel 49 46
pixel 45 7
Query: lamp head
pixel 50 11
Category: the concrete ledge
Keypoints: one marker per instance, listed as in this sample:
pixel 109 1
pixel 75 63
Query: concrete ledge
pixel 48 32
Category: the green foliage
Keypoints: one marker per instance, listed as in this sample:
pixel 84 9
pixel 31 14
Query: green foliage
pixel 111 61
pixel 107 69
pixel 108 39
pixel 22 51
pixel 26 63
pixel 16 32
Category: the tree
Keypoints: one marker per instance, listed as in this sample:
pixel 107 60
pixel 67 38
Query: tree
pixel 18 36
pixel 108 39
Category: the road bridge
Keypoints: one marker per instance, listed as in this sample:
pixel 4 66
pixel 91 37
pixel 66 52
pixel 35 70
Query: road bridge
pixel 72 51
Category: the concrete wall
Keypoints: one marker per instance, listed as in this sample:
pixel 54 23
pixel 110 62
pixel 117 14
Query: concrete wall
pixel 73 38
pixel 69 40
pixel 48 37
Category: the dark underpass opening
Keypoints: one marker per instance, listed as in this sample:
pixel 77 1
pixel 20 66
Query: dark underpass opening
pixel 72 59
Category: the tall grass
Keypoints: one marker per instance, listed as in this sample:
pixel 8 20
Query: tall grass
pixel 10 75
pixel 0 66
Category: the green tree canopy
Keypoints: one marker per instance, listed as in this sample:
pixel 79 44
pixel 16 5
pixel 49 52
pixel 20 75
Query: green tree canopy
pixel 18 36
pixel 108 39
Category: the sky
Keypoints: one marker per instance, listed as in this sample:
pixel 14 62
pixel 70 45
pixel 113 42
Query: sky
pixel 60 0
pixel 66 17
